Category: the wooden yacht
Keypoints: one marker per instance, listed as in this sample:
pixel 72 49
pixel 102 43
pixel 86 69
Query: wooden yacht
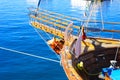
pixel 91 58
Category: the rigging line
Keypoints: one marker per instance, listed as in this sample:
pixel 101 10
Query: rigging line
pixel 50 38
pixel 39 3
pixel 49 46
pixel 45 42
pixel 116 53
pixel 40 57
pixel 89 17
pixel 101 16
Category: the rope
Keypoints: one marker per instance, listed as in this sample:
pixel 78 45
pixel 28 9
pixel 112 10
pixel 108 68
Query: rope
pixel 87 21
pixel 101 16
pixel 45 41
pixel 93 7
pixel 38 3
pixel 40 57
pixel 116 53
pixel 55 43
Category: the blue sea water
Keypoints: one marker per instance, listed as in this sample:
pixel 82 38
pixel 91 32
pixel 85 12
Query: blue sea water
pixel 17 34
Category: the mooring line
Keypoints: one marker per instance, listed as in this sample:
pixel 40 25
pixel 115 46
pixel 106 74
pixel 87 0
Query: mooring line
pixel 40 57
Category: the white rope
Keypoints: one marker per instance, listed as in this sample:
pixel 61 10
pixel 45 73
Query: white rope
pixel 46 42
pixel 101 16
pixel 40 57
pixel 89 17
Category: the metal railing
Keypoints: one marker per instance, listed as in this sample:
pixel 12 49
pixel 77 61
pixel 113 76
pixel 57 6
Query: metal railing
pixel 59 21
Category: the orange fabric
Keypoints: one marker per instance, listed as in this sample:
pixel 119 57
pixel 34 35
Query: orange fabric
pixel 107 77
pixel 56 46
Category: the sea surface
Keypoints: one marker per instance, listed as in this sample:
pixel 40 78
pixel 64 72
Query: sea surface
pixel 18 35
